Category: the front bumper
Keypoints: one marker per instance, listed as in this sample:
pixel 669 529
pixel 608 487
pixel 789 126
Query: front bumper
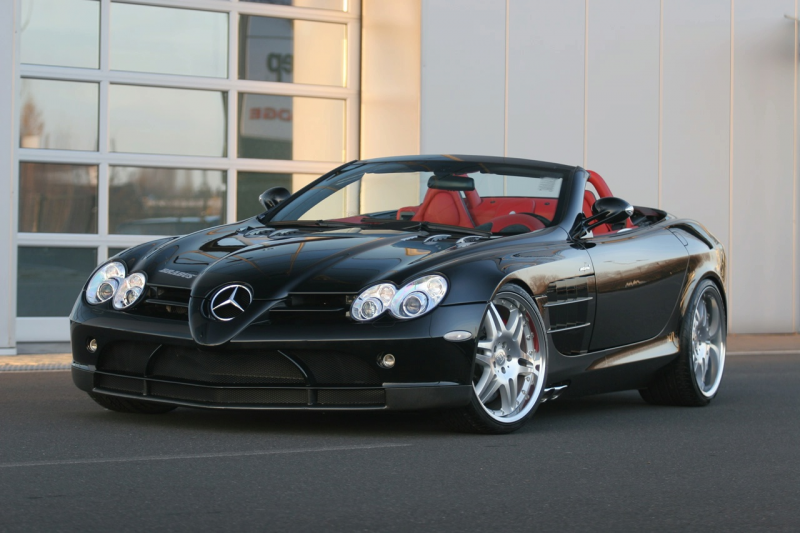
pixel 334 370
pixel 393 396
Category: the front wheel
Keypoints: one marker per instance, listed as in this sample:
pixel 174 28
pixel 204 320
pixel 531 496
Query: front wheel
pixel 510 365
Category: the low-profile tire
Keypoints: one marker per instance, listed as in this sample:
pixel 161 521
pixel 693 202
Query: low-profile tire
pixel 128 405
pixel 693 379
pixel 510 368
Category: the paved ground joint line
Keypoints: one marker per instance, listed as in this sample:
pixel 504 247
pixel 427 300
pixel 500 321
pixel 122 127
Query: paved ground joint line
pixel 200 455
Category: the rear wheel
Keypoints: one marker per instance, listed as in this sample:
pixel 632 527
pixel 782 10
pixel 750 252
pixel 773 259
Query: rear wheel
pixel 128 405
pixel 694 378
pixel 510 365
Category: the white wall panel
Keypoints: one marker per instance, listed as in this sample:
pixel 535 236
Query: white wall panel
pixel 8 227
pixel 695 127
pixel 545 80
pixel 763 167
pixel 622 108
pixel 390 78
pixel 463 76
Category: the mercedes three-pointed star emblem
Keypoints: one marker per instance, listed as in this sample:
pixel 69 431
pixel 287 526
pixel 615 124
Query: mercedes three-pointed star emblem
pixel 230 301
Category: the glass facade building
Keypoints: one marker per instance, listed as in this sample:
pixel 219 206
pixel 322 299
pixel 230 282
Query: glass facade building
pixel 138 120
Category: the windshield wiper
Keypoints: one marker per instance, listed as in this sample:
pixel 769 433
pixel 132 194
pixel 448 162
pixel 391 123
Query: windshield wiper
pixel 407 225
pixel 316 224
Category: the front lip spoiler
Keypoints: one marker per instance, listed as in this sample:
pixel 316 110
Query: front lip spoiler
pixel 399 396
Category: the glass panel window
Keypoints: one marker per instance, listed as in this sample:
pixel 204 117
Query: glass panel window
pixel 49 279
pixel 64 33
pixel 164 201
pixel 153 120
pixel 291 127
pixel 250 185
pixel 169 41
pixel 338 5
pixel 58 115
pixel 292 51
pixel 57 198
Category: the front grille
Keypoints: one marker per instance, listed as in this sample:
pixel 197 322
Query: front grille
pixel 225 368
pixel 351 397
pixel 165 302
pixel 311 309
pixel 338 368
pixel 264 397
pixel 118 383
pixel 232 377
pixel 123 357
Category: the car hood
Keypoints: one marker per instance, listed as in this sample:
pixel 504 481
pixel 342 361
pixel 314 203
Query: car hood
pixel 274 263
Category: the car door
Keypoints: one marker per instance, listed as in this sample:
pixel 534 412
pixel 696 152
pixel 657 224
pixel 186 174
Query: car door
pixel 639 274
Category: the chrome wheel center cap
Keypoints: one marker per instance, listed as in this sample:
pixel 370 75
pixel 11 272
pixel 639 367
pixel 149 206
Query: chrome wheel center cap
pixel 500 357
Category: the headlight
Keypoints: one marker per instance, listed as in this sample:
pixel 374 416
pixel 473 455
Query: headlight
pixel 129 291
pixel 418 297
pixel 372 302
pixel 105 282
pixel 413 300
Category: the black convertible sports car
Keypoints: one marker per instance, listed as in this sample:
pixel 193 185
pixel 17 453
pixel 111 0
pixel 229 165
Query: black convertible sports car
pixel 480 286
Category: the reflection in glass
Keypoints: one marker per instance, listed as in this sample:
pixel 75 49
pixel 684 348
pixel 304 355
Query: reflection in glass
pixel 338 5
pixel 63 33
pixel 291 127
pixel 49 279
pixel 250 185
pixel 176 41
pixel 164 201
pixel 57 198
pixel 58 115
pixel 115 251
pixel 153 120
pixel 291 51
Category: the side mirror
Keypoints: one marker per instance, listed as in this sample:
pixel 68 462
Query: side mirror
pixel 272 197
pixel 609 210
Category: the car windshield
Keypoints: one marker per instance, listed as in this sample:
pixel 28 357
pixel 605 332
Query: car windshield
pixel 473 197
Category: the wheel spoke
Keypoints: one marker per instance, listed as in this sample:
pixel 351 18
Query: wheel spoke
pixel 486 376
pixel 526 368
pixel 489 389
pixel 493 322
pixel 514 322
pixel 508 395
pixel 487 345
pixel 483 359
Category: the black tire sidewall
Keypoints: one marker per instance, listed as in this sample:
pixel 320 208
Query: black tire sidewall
pixel 475 404
pixel 686 333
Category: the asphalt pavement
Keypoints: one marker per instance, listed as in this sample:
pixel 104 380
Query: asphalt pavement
pixel 605 463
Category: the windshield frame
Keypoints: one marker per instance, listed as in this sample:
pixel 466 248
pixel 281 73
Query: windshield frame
pixel 355 170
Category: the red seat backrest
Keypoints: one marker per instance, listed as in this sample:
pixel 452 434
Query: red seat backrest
pixel 443 207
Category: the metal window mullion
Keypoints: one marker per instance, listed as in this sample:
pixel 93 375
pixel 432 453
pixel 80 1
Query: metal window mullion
pixel 103 130
pixel 232 122
pixel 186 82
pixel 82 240
pixel 254 8
pixel 353 103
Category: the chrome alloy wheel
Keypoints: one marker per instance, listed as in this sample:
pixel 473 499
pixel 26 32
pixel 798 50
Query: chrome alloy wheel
pixel 510 360
pixel 708 344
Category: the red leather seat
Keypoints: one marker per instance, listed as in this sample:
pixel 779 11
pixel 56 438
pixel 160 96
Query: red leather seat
pixel 443 207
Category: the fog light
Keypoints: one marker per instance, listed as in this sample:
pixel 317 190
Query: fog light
pixel 92 345
pixel 387 361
